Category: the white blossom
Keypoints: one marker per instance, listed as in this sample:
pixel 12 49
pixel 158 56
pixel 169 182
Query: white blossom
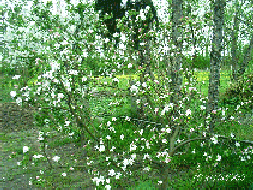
pixel 25 149
pixel 13 94
pixel 219 158
pixel 188 112
pixel 56 158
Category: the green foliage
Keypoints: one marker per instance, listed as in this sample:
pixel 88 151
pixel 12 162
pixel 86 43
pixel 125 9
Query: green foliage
pixel 239 91
pixel 198 62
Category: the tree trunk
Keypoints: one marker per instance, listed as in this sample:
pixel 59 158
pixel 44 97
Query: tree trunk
pixel 215 62
pixel 234 50
pixel 139 110
pixel 247 57
pixel 194 42
pixel 177 36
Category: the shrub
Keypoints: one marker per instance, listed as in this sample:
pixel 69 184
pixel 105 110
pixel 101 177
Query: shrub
pixel 240 91
pixel 199 62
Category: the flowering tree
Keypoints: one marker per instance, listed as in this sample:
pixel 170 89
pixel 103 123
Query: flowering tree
pixel 64 89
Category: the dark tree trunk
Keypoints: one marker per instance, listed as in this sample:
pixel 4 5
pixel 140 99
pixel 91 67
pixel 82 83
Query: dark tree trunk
pixel 234 50
pixel 177 36
pixel 247 57
pixel 215 62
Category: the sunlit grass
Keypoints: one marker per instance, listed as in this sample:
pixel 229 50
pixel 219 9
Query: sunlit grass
pixel 104 84
pixel 200 77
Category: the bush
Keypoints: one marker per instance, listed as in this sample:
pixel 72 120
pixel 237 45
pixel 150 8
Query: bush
pixel 241 91
pixel 199 62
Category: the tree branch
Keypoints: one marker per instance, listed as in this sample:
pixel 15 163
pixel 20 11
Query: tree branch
pixel 78 120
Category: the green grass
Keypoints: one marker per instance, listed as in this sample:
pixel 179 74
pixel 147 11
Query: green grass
pixel 124 81
pixel 6 94
pixel 148 185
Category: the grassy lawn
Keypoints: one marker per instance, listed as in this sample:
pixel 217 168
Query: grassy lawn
pixel 124 81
